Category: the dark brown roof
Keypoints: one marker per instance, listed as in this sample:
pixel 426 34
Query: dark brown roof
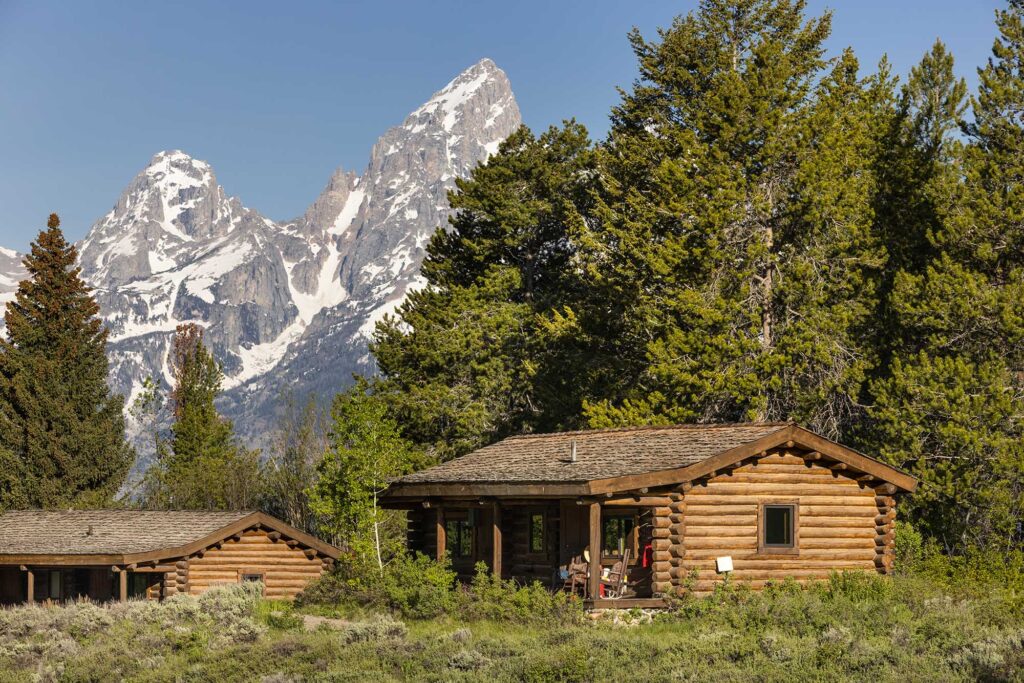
pixel 600 454
pixel 106 532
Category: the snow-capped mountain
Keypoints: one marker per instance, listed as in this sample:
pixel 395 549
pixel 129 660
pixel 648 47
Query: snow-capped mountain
pixel 287 305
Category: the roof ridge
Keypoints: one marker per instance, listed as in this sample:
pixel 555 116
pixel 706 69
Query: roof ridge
pixel 642 428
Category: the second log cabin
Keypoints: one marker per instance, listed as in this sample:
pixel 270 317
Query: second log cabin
pixel 693 504
pixel 59 555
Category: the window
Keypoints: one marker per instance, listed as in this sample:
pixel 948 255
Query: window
pixel 777 527
pixel 617 534
pixel 252 576
pixel 537 544
pixel 459 538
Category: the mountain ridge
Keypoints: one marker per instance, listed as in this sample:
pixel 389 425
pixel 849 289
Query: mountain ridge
pixel 286 305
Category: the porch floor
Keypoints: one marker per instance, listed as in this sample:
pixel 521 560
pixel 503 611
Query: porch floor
pixel 625 603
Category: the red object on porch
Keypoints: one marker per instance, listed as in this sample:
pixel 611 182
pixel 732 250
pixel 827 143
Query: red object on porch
pixel 647 556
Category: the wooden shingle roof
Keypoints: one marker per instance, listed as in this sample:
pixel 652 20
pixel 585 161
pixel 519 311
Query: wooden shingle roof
pixel 600 453
pixel 124 536
pixel 90 532
pixel 619 459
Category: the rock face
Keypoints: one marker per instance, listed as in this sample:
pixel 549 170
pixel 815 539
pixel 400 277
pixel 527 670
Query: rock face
pixel 287 306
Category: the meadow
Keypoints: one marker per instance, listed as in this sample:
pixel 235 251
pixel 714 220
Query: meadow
pixel 939 622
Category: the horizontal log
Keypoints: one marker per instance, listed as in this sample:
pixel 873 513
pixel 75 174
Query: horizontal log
pixel 710 508
pixel 211 560
pixel 661 522
pixel 779 564
pixel 838 543
pixel 864 532
pixel 782 491
pixel 866 554
pixel 694 525
pixel 661 533
pixel 642 501
pixel 815 496
pixel 724 530
pixel 830 486
pixel 808 477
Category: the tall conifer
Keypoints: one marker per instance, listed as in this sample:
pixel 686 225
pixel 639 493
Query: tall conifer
pixel 738 217
pixel 949 407
pixel 63 431
pixel 204 467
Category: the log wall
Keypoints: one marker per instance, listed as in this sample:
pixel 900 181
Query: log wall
pixel 842 524
pixel 286 569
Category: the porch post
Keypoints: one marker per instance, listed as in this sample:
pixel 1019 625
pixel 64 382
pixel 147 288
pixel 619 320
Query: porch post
pixel 123 585
pixel 594 588
pixel 496 539
pixel 30 573
pixel 441 540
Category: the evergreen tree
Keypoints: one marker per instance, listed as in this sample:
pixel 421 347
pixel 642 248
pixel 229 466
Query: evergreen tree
pixel 61 430
pixel 204 468
pixel 472 356
pixel 949 408
pixel 736 251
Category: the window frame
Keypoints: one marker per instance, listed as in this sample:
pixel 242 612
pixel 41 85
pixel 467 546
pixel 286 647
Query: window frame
pixel 460 518
pixel 630 541
pixel 530 514
pixel 764 548
pixel 262 573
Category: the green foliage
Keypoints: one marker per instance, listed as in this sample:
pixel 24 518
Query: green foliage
pixel 62 433
pixel 852 627
pixel 493 598
pixel 734 244
pixel 201 467
pixel 416 587
pixel 366 451
pixel 947 405
pixel 766 233
pixel 469 358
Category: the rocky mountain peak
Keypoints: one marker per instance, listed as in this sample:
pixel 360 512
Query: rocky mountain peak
pixel 287 304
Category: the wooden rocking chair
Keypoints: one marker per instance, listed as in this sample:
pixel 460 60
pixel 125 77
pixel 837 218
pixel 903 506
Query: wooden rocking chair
pixel 615 583
pixel 576 576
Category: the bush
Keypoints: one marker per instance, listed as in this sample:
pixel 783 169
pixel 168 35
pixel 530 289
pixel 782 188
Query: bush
pixel 490 597
pixel 416 587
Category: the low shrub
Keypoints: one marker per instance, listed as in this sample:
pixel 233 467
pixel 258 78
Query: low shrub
pixel 490 597
pixel 418 587
pixel 414 586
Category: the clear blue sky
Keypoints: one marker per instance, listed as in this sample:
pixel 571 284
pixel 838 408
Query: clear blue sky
pixel 277 95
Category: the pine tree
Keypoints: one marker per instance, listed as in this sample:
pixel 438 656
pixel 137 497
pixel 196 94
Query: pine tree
pixel 949 408
pixel 62 430
pixel 488 348
pixel 735 250
pixel 204 468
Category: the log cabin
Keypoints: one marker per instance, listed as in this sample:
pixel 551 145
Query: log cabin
pixel 121 554
pixel 693 505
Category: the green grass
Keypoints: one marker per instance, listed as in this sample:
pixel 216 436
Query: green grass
pixel 850 628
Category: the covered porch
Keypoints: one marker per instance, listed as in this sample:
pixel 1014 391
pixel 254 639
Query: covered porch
pixel 576 544
pixel 61 583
